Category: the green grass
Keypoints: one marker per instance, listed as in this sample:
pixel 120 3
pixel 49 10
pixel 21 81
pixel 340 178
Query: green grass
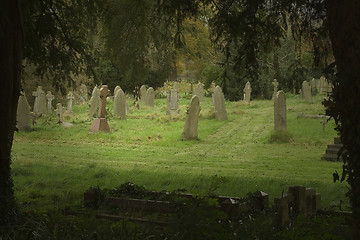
pixel 52 166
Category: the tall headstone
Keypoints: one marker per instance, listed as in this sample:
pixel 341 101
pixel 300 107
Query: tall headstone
pixel 275 84
pixel 176 86
pixel 306 91
pixel 149 97
pixel 322 85
pixel 100 123
pixel 247 92
pixel 49 98
pixel 59 111
pixel 172 102
pixel 117 88
pixel 95 102
pixel 120 104
pixel 142 93
pixel 192 119
pixel 70 97
pixel 280 111
pixel 219 104
pixel 199 91
pixel 83 94
pixel 40 101
pixel 23 114
pixel 313 87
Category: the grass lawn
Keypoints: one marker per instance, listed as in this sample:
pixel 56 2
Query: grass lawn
pixel 52 165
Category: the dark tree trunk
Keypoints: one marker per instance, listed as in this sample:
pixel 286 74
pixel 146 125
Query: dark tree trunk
pixel 344 26
pixel 11 41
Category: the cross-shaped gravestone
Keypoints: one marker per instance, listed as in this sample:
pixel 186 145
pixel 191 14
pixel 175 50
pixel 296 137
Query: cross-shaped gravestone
pixel 49 98
pixel 275 84
pixel 104 92
pixel 40 100
pixel 59 112
pixel 70 97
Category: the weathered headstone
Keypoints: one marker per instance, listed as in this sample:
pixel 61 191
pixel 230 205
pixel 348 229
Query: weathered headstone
pixel 275 84
pixel 164 92
pixel 70 97
pixel 83 94
pixel 142 93
pixel 59 111
pixel 49 98
pixel 100 123
pixel 149 97
pixel 199 91
pixel 192 118
pixel 313 87
pixel 306 91
pixel 247 92
pixel 40 101
pixel 322 85
pixel 219 104
pixel 23 114
pixel 176 86
pixel 95 102
pixel 117 88
pixel 280 111
pixel 172 102
pixel 120 104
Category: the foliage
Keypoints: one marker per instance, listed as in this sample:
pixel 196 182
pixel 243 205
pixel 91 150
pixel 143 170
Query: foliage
pixel 280 136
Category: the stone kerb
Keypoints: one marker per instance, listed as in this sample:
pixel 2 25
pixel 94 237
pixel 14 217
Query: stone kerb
pixel 192 118
pixel 219 104
pixel 280 111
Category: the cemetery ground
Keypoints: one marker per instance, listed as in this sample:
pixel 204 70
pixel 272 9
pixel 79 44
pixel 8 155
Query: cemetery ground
pixel 52 166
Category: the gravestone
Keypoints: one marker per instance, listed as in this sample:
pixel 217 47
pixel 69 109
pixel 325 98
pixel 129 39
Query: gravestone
pixel 59 111
pixel 275 84
pixel 95 102
pixel 172 102
pixel 117 88
pixel 40 101
pixel 322 85
pixel 306 91
pixel 280 111
pixel 49 98
pixel 247 92
pixel 219 104
pixel 120 104
pixel 149 97
pixel 70 97
pixel 23 114
pixel 199 91
pixel 192 118
pixel 100 123
pixel 176 86
pixel 164 92
pixel 313 87
pixel 142 93
pixel 83 98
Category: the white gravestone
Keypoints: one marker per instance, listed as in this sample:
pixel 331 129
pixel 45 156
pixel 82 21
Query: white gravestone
pixel 247 92
pixel 219 104
pixel 192 119
pixel 199 91
pixel 50 97
pixel 23 114
pixel 280 111
pixel 172 102
pixel 100 123
pixel 94 102
pixel 120 104
pixel 149 97
pixel 40 101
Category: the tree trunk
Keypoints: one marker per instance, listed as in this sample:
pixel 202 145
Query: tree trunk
pixel 344 26
pixel 11 44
